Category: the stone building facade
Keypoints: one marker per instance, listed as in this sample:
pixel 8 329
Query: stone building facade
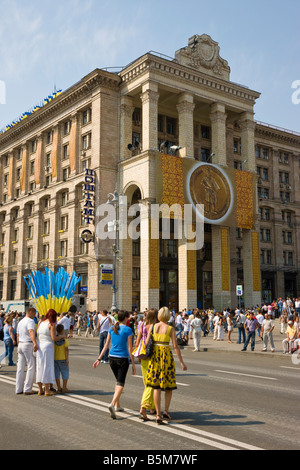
pixel 153 103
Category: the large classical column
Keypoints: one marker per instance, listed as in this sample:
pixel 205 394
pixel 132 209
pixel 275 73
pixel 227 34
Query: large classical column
pixel 55 160
pixel 218 133
pixel 149 255
pixel 24 170
pixel 11 176
pixel 187 274
pixel 247 126
pixel 220 235
pixel 251 250
pixel 39 172
pixel 127 109
pixel 149 99
pixel 36 237
pixel 252 274
pixel 20 287
pixel 7 255
pixel 125 275
pixel 74 144
pixel 72 232
pixel 185 109
pixel 221 267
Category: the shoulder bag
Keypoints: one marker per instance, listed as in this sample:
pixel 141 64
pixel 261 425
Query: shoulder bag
pixel 150 346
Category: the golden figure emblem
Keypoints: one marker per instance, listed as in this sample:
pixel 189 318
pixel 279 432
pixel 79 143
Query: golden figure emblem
pixel 208 186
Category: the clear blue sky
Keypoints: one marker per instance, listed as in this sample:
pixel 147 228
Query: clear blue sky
pixel 46 43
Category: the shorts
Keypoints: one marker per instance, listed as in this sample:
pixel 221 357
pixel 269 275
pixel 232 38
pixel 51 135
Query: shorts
pixel 119 366
pixel 61 368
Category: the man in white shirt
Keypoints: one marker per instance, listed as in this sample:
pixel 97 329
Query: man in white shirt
pixel 196 326
pixel 65 321
pixel 241 318
pixel 297 306
pixel 260 318
pixel 178 325
pixel 27 345
pixel 104 324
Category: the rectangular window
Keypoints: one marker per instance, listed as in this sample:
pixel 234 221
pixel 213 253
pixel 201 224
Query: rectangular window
pixel 207 276
pixel 63 248
pixel 67 127
pixel 86 141
pixel 64 222
pixel 29 254
pixel 136 248
pixel 135 274
pixel 86 116
pixel 46 227
pixel 268 235
pixel 160 123
pixel 205 155
pixel 265 174
pixel 66 172
pixel 66 151
pixel 171 126
pixel 45 252
pixel 205 132
pixel 13 289
pixel 265 154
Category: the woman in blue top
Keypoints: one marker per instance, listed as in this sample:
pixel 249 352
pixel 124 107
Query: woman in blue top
pixel 120 336
pixel 9 339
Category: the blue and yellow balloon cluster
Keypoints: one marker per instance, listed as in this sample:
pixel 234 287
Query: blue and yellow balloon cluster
pixel 52 291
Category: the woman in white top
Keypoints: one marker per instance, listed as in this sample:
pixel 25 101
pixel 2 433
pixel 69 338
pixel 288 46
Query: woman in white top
pixel 229 327
pixel 45 356
pixel 220 327
pixel 196 326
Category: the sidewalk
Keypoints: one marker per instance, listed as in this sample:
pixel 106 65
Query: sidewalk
pixel 207 343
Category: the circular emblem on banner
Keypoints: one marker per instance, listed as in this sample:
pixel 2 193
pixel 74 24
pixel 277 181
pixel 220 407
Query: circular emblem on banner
pixel 209 186
pixel 87 236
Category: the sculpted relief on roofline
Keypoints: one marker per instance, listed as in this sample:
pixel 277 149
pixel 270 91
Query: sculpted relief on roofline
pixel 203 54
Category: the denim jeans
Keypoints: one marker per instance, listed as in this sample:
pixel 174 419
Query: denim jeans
pixel 102 341
pixel 9 350
pixel 250 336
pixel 179 331
pixel 241 333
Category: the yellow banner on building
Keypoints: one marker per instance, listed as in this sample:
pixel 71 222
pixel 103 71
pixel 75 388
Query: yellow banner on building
pixel 228 195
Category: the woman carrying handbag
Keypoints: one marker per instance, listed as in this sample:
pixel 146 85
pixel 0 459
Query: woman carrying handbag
pixel 161 375
pixel 140 352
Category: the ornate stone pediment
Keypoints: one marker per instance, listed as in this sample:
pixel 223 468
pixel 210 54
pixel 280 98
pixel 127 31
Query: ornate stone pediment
pixel 203 54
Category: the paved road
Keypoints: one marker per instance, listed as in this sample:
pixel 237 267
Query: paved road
pixel 227 400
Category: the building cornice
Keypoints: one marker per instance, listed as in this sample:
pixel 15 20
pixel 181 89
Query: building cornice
pixel 151 63
pixel 285 136
pixel 97 78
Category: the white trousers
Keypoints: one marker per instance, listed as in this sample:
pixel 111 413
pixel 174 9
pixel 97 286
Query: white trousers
pixel 25 358
pixel 197 336
pixel 266 337
pixel 220 330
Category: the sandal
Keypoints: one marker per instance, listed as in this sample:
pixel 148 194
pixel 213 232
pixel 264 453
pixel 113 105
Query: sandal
pixel 143 416
pixel 166 416
pixel 159 420
pixel 50 394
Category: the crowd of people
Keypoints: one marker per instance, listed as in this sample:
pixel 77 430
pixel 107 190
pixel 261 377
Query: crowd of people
pixel 43 350
pixel 43 345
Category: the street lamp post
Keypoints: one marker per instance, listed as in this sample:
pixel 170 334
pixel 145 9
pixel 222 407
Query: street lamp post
pixel 113 199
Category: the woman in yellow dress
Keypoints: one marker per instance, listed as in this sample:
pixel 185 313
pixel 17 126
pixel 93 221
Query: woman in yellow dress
pixel 147 402
pixel 161 375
